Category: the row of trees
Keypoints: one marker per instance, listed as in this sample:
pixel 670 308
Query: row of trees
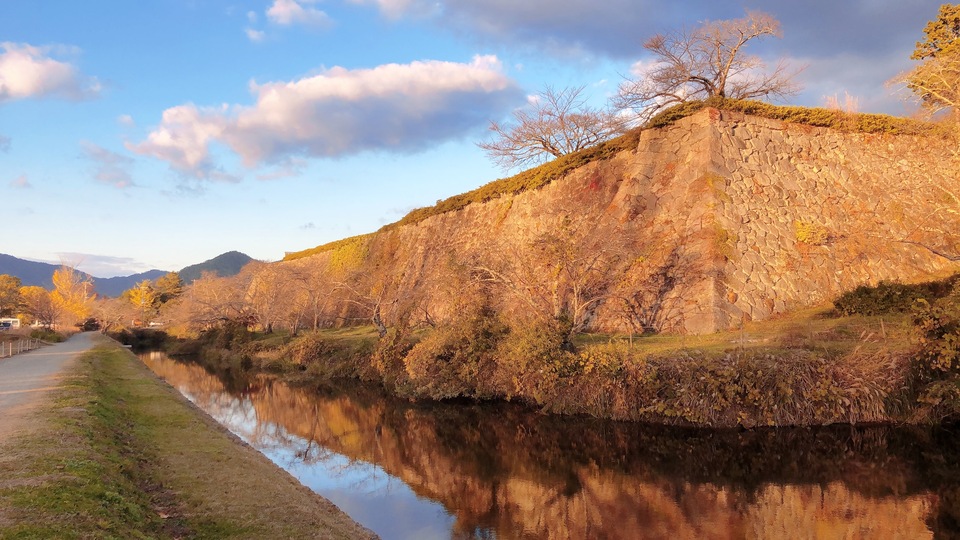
pixel 261 295
pixel 696 64
pixel 72 301
pixel 560 275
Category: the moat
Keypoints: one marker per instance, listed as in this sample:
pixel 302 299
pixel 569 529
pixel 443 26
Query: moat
pixel 466 470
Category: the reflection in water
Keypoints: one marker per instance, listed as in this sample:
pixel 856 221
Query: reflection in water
pixel 497 471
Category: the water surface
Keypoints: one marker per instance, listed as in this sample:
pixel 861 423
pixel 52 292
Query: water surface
pixel 462 470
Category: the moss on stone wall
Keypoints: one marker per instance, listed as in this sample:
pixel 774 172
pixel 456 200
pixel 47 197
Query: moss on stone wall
pixel 810 116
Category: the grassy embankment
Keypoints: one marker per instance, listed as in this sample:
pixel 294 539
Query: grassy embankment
pixel 119 454
pixel 893 357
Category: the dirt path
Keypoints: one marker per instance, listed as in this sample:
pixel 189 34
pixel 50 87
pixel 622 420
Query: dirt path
pixel 24 378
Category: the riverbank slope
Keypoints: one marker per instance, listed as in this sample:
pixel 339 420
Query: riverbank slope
pixel 117 453
pixel 884 354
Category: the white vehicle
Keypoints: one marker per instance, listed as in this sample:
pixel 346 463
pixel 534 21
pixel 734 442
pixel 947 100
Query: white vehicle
pixel 9 323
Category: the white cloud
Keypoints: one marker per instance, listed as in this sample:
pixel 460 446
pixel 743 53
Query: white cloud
pixel 110 167
pixel 252 16
pixel 21 182
pixel 393 107
pixel 102 266
pixel 289 12
pixel 183 138
pixel 27 71
pixel 255 36
pixel 126 120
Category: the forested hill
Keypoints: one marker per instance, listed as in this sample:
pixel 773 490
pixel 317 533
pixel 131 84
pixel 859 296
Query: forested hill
pixel 224 265
pixel 30 272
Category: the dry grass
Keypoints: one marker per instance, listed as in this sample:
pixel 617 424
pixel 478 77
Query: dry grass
pixel 812 329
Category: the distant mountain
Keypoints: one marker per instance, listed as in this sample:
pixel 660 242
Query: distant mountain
pixel 41 274
pixel 225 265
pixel 115 286
pixel 30 272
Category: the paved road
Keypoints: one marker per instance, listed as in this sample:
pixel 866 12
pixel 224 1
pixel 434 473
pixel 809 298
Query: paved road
pixel 24 378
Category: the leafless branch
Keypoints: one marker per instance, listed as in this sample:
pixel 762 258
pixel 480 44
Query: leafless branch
pixel 557 123
pixel 706 62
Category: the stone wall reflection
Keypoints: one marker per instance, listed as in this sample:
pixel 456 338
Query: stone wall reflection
pixel 524 475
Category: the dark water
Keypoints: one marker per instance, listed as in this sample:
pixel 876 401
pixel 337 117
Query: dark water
pixel 419 471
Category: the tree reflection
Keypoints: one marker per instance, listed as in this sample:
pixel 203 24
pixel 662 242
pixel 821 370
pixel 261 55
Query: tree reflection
pixel 505 472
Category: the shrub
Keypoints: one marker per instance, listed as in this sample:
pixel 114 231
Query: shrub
pixel 306 349
pixel 891 297
pixel 678 112
pixel 604 359
pixel 810 116
pixel 811 233
pixel 457 358
pixel 783 387
pixel 231 335
pixel 937 363
pixel 352 247
pixel 531 360
pixel 386 362
pixel 46 334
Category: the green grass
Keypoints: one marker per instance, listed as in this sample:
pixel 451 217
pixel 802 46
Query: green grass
pixel 119 454
pixel 82 479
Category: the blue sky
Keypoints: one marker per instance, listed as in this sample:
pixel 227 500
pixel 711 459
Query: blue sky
pixel 158 134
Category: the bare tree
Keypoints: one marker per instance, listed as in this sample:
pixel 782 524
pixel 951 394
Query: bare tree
pixel 315 288
pixel 557 123
pixel 114 313
pixel 269 294
pixel 369 294
pixel 708 61
pixel 562 274
pixel 40 306
pixel 212 300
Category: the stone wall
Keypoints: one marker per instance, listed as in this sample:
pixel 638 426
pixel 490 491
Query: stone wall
pixel 814 212
pixel 715 219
